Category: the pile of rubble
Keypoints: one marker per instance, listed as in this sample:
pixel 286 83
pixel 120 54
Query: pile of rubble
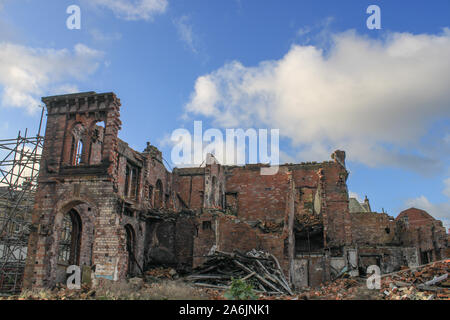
pixel 257 267
pixel 161 273
pixel 428 282
pixel 342 289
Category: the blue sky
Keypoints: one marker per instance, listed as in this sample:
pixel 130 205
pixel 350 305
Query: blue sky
pixel 309 68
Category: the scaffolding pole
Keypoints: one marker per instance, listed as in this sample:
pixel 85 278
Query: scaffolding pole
pixel 19 168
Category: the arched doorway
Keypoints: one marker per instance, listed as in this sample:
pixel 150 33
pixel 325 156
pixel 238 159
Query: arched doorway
pixel 131 249
pixel 70 240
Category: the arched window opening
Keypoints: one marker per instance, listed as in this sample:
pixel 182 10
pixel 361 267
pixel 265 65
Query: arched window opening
pixel 70 240
pixel 76 152
pixel 131 249
pixel 79 152
pixel 159 194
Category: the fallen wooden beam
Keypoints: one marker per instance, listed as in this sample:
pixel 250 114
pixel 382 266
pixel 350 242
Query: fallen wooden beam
pixel 248 276
pixel 206 276
pixel 437 280
pixel 214 286
pixel 264 281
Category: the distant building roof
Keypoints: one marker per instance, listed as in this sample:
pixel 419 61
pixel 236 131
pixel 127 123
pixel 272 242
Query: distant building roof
pixel 355 206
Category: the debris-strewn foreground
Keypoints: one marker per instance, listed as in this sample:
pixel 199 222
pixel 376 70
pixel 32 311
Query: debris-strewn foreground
pixel 260 268
pixel 428 282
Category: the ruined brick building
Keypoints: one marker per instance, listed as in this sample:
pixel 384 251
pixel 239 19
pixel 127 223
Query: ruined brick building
pixel 104 205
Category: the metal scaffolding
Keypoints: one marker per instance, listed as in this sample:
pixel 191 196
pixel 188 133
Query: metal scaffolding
pixel 19 167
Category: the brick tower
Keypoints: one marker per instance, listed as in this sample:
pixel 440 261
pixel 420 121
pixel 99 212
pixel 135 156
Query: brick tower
pixel 74 218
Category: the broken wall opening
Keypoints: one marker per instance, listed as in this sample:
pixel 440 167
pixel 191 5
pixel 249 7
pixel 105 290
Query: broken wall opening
pixel 366 260
pixel 426 256
pixel 309 240
pixel 96 144
pixel 231 202
pixel 169 241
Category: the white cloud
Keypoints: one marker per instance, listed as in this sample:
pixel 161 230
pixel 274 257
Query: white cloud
pixel 352 194
pixel 372 98
pixel 28 73
pixel 206 97
pixel 185 32
pixel 439 211
pixel 166 141
pixel 134 9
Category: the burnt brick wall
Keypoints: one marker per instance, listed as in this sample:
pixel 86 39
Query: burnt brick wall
pixel 228 233
pixel 322 190
pixel 262 223
pixel 170 242
pixel 388 258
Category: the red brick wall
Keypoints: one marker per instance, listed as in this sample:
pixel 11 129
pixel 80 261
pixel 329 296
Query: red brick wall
pixel 373 228
pixel 423 231
pixel 259 196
